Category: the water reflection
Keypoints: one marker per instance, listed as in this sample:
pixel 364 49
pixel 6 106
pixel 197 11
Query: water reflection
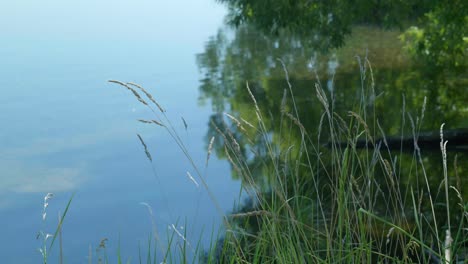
pixel 399 98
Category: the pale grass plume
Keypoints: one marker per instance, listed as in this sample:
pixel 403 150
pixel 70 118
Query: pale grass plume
pixel 210 148
pixel 253 97
pixel 192 179
pixel 297 122
pixel 363 123
pixel 234 142
pixel 144 91
pixel 423 108
pixel 247 123
pixel 322 96
pixel 390 231
pixel 173 227
pixel 237 122
pixel 47 197
pixel 149 96
pixel 131 89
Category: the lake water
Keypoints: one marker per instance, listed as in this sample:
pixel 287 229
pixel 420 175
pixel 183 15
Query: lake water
pixel 67 130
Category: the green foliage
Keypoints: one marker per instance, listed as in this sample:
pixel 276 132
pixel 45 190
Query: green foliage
pixel 443 40
pixel 331 20
pixel 338 204
pixel 437 35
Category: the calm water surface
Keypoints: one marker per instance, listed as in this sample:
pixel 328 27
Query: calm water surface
pixel 66 130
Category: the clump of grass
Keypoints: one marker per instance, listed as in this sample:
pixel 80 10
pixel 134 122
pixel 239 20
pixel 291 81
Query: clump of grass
pixel 46 247
pixel 327 210
pixel 333 203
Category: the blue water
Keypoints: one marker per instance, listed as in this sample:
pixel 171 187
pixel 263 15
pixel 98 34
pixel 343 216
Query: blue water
pixel 66 130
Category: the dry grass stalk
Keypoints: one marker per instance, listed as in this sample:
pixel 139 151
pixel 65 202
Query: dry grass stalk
pixel 46 204
pixel 157 122
pixel 448 237
pixel 443 148
pixel 341 123
pixel 144 121
pixel 461 203
pixel 362 122
pixel 144 91
pixel 131 89
pixel 419 158
pixel 233 141
pixel 153 223
pixel 383 134
pixel 371 74
pixel 448 247
pixel 390 231
pixel 234 165
pixel 150 122
pixel 297 122
pixel 236 121
pixel 210 148
pixel 322 96
pixel 185 123
pixel 145 147
pixel 247 123
pixel 388 170
pixel 192 179
pixel 283 101
pixel 257 109
pixel 149 96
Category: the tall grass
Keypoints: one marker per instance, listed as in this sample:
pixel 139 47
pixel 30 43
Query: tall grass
pixel 333 203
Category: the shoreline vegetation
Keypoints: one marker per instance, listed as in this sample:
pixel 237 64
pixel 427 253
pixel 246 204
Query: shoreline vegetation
pixel 348 202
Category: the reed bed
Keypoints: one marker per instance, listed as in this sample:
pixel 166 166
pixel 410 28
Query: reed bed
pixel 311 202
pixel 319 204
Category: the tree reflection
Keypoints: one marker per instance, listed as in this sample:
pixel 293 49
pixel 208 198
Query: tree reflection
pixel 384 87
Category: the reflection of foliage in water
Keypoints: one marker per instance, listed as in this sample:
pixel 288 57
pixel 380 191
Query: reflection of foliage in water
pixel 251 56
pixel 377 93
pixel 330 19
pixel 437 31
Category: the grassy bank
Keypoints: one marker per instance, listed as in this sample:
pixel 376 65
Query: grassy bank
pixel 314 197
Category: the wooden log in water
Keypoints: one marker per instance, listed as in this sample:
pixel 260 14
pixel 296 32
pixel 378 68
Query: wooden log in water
pixel 429 141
